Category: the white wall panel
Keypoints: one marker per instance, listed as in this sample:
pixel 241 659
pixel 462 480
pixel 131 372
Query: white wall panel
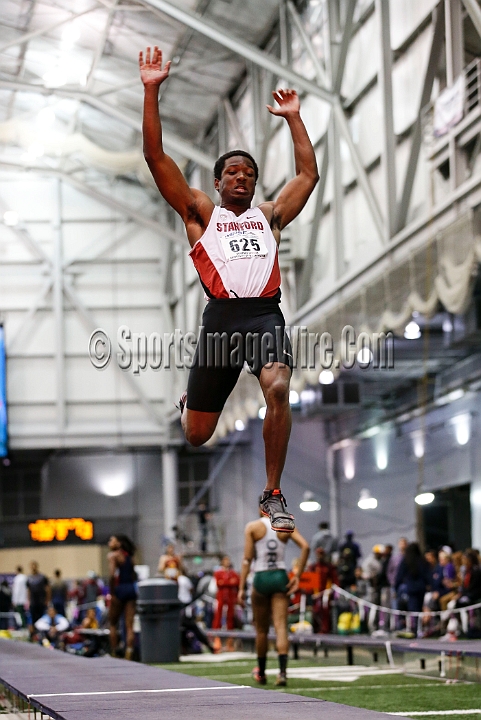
pixel 406 16
pixel 407 81
pixel 363 58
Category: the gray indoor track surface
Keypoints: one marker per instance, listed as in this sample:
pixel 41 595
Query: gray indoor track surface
pixel 68 687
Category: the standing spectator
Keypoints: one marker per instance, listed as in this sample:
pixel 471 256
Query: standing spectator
pixel 371 571
pixel 470 591
pixel 123 591
pixel 321 620
pixel 19 594
pixel 91 588
pixel 353 546
pixel 392 568
pixel 227 580
pixel 38 592
pixel 384 585
pixel 5 604
pixel 346 567
pixel 204 516
pixel 412 578
pixel 59 593
pixel 323 538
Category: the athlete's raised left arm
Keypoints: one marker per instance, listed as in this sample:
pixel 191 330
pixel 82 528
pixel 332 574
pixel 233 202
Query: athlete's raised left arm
pixel 296 192
pixel 249 551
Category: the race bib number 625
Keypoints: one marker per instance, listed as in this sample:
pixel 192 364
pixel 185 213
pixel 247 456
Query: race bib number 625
pixel 243 245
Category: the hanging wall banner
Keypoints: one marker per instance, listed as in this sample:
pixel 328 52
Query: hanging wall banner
pixel 448 108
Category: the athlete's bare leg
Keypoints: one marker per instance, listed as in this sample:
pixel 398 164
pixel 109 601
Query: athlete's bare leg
pixel 280 604
pixel 129 613
pixel 261 607
pixel 275 379
pixel 199 426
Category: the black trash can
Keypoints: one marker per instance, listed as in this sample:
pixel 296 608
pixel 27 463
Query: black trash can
pixel 159 611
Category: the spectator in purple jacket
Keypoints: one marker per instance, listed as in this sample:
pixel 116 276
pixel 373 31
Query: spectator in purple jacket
pixel 395 561
pixel 444 576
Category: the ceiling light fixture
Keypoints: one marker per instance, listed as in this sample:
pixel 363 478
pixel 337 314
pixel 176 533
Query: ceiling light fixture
pixel 326 377
pixel 462 428
pixel 364 356
pixel 10 218
pixel 366 501
pixel 412 331
pixel 424 498
pixel 309 504
pixel 55 77
pixel 70 34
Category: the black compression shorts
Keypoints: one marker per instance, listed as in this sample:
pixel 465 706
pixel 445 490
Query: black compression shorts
pixel 235 331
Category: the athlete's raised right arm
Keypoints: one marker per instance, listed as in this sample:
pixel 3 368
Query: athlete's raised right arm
pixel 189 203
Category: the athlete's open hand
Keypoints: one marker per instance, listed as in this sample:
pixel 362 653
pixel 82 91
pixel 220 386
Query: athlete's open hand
pixel 288 103
pixel 151 71
pixel 293 585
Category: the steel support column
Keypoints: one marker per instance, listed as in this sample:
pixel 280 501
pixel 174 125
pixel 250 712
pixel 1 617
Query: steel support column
pixel 474 12
pixel 308 267
pixel 57 297
pixel 389 150
pixel 433 61
pixel 170 490
pixel 334 498
pixel 338 196
pixel 454 67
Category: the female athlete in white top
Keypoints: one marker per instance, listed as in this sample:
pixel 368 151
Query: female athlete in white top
pixel 271 589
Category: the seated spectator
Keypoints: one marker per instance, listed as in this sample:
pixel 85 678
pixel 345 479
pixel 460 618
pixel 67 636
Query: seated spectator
pixel 90 621
pixel 431 558
pixel 170 565
pixel 360 587
pixel 192 636
pixel 327 577
pixel 50 627
pixel 470 590
pixel 412 579
pixel 443 582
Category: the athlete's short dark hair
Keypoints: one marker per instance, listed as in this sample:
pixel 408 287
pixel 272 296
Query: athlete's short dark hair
pixel 219 165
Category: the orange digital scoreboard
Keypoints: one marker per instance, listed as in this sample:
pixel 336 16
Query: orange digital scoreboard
pixel 59 528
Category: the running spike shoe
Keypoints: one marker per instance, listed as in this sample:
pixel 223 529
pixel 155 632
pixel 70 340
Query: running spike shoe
pixel 273 505
pixel 261 679
pixel 281 680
